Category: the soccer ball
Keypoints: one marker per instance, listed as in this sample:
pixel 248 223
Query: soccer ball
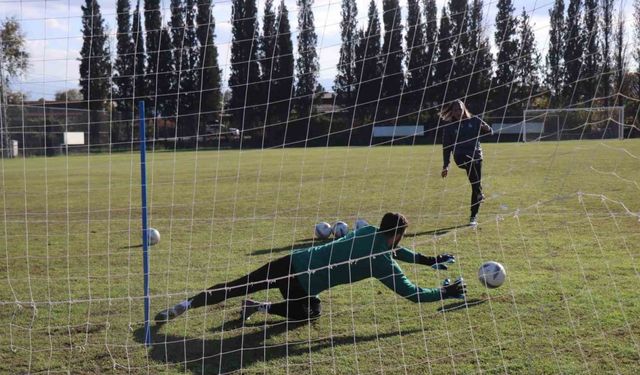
pixel 360 223
pixel 153 236
pixel 323 230
pixel 491 274
pixel 340 229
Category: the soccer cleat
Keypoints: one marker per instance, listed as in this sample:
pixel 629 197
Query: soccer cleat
pixel 480 197
pixel 249 307
pixel 473 221
pixel 172 312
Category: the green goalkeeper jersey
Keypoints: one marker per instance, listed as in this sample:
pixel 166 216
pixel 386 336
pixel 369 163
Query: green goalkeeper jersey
pixel 357 256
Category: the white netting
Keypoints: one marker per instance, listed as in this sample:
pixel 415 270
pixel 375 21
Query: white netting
pixel 246 153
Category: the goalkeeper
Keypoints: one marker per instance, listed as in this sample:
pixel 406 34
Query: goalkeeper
pixel 462 138
pixel 305 273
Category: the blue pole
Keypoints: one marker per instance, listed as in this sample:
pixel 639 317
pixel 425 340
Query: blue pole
pixel 145 236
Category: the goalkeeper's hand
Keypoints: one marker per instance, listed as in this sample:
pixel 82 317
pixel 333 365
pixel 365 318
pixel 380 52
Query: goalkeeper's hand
pixel 442 260
pixel 456 290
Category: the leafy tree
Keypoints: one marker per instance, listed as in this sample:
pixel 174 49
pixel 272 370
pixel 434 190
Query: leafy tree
pixel 431 44
pixel 14 61
pixel 462 58
pixel 139 84
pixel 266 51
pixel 71 95
pixel 189 102
pixel 177 25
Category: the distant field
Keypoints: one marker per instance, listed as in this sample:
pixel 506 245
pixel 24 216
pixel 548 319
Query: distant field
pixel 561 217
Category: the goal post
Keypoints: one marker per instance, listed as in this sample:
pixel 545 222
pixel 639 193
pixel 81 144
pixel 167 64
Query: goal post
pixel 557 124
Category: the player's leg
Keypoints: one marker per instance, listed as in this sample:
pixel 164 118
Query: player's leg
pixel 257 280
pixel 474 171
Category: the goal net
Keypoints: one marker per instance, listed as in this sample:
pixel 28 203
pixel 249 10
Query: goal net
pixel 573 123
pixel 243 130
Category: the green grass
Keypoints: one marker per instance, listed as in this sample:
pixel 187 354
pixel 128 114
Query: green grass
pixel 561 217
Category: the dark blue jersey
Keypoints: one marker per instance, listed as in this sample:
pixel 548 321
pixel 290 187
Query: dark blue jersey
pixel 462 138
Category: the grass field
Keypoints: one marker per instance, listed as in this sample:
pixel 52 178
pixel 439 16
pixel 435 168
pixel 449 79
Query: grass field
pixel 561 217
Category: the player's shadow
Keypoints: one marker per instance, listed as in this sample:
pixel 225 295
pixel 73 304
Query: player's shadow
pixel 470 302
pixel 241 348
pixel 301 244
pixel 436 232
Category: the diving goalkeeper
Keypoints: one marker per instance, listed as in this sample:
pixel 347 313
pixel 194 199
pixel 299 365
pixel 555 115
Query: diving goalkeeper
pixel 305 273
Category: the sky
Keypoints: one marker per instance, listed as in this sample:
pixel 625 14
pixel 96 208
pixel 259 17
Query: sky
pixel 54 37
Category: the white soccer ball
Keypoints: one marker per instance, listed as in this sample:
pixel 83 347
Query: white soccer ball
pixel 154 236
pixel 340 229
pixel 492 274
pixel 323 230
pixel 360 223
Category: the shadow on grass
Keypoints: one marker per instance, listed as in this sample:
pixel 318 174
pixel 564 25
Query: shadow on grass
pixel 238 350
pixel 461 305
pixel 302 244
pixel 437 232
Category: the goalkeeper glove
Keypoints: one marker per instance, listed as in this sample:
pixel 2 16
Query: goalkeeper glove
pixel 442 260
pixel 456 290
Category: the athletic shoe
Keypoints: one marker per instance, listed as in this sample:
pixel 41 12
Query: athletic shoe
pixel 249 307
pixel 473 221
pixel 172 312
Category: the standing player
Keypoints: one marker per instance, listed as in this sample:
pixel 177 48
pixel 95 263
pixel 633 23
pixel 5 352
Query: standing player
pixel 305 273
pixel 461 136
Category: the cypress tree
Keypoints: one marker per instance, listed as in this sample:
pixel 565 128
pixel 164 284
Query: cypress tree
pixel 245 72
pixel 606 41
pixel 554 62
pixel 462 62
pixel 573 52
pixel 480 59
pixel 210 95
pixel 166 68
pixel 416 60
pixel 123 65
pixel 139 89
pixel 431 42
pixel 444 58
pixel 507 58
pixel 307 63
pixel 95 67
pixel 590 75
pixel 620 58
pixel 392 55
pixel 190 71
pixel 153 28
pixel 266 51
pixel 527 73
pixel 177 25
pixel 281 78
pixel 344 85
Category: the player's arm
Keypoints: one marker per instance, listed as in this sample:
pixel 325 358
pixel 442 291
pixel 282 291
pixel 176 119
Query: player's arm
pixel 485 129
pixel 391 275
pixel 409 256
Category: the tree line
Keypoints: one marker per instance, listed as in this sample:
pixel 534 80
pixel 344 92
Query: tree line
pixel 390 71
